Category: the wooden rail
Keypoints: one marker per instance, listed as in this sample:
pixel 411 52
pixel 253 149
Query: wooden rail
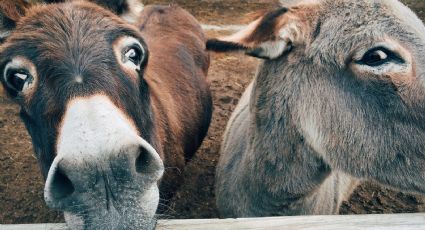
pixel 353 222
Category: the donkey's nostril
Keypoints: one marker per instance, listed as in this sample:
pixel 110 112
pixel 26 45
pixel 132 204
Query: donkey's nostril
pixel 61 186
pixel 144 162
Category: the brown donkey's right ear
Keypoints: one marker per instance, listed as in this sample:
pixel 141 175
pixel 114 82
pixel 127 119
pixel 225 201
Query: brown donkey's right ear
pixel 129 10
pixel 270 36
pixel 10 13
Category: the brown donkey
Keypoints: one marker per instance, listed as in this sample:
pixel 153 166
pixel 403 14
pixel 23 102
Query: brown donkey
pixel 340 97
pixel 108 106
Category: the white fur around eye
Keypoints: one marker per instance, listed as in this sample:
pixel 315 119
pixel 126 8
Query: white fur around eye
pixel 388 68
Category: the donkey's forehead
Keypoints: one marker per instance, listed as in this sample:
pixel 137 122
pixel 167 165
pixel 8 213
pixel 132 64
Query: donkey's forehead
pixel 368 10
pixel 67 23
pixel 359 16
pixel 71 33
pixel 406 15
pixel 368 20
pixel 383 8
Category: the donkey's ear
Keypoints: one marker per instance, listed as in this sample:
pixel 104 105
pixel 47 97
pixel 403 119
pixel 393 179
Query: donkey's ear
pixel 129 10
pixel 11 12
pixel 268 37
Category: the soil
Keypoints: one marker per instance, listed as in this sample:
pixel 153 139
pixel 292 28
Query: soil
pixel 21 184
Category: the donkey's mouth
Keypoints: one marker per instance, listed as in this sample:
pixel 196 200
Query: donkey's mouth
pixel 128 210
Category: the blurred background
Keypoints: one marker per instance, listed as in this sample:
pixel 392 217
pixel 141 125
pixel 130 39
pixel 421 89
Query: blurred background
pixel 21 184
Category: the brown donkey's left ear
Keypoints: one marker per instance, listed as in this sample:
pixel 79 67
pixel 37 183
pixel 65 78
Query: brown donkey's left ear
pixel 268 37
pixel 13 9
pixel 11 12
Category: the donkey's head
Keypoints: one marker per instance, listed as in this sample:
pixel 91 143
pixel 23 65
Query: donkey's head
pixel 350 77
pixel 77 71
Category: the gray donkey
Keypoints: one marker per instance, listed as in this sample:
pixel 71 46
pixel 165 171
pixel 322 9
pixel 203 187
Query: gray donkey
pixel 339 98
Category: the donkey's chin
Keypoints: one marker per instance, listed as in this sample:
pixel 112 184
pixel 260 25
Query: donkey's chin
pixel 131 213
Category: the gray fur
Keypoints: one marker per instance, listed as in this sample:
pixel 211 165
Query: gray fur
pixel 310 127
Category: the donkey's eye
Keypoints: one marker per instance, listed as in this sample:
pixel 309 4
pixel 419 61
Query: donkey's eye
pixel 130 53
pixel 379 56
pixel 18 79
pixel 134 54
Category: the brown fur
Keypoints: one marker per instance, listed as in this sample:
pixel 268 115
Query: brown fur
pixel 10 12
pixel 13 9
pixel 166 30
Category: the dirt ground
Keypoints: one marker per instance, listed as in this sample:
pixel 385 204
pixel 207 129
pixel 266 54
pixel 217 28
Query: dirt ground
pixel 21 184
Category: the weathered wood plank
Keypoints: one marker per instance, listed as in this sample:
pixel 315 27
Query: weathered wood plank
pixel 352 222
pixel 33 227
pixel 360 222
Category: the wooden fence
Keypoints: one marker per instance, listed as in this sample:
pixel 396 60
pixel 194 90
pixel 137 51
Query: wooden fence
pixel 351 222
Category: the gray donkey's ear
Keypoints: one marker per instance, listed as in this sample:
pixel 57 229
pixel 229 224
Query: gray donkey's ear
pixel 268 37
